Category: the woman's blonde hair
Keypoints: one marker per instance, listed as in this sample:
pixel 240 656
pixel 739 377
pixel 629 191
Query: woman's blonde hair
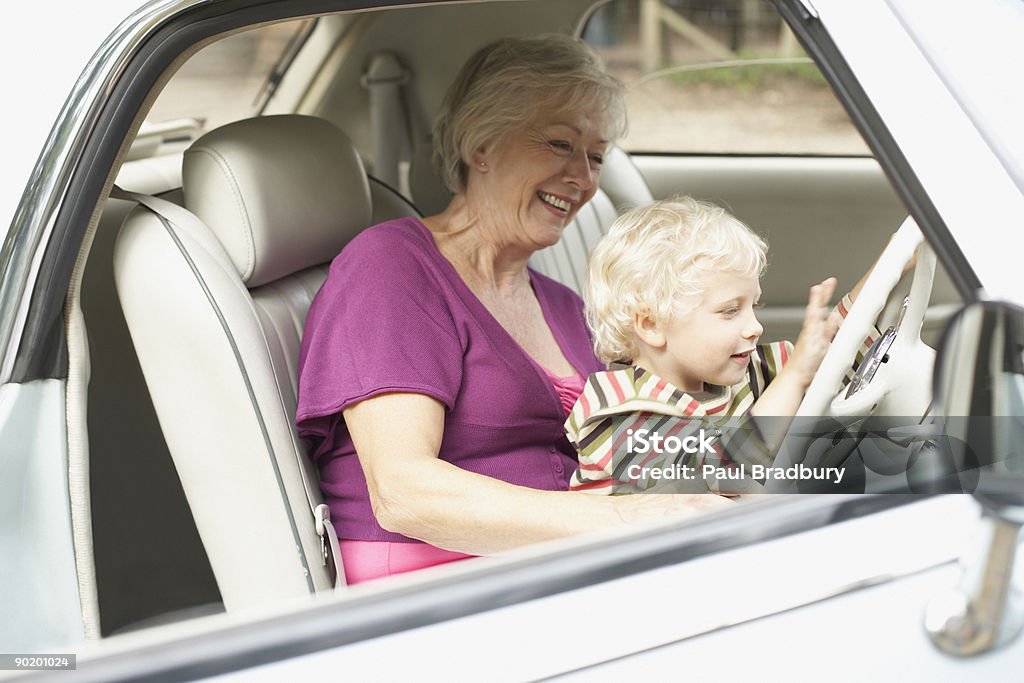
pixel 651 262
pixel 505 84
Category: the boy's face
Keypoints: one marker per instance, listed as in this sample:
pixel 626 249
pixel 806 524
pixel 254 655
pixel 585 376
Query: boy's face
pixel 712 343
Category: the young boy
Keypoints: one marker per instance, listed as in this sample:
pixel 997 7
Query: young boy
pixel 671 297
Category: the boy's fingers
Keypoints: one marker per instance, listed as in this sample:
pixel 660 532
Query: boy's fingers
pixel 832 324
pixel 912 263
pixel 813 297
pixel 828 287
pixel 820 295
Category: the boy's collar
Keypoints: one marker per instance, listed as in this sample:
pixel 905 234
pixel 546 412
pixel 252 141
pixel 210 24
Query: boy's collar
pixel 641 374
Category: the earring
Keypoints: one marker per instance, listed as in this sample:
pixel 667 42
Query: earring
pixel 483 164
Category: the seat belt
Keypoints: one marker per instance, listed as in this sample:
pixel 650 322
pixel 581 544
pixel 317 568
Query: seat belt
pixel 180 219
pixel 384 79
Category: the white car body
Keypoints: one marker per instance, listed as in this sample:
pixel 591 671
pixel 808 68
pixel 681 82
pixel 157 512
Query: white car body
pixel 846 601
pixel 43 81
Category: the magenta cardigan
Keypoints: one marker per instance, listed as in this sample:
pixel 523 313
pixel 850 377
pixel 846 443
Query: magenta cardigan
pixel 394 316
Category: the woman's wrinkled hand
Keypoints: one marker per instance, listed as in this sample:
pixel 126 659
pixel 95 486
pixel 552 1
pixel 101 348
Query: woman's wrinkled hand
pixel 639 508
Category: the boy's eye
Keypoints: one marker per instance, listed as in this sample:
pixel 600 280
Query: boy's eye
pixel 729 312
pixel 758 305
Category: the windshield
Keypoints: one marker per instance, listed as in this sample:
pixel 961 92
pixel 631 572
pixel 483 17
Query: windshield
pixel 975 48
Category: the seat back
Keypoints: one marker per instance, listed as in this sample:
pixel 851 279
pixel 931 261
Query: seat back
pixel 216 309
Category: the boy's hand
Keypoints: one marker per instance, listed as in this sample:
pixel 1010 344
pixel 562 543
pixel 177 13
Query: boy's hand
pixel 783 395
pixel 818 330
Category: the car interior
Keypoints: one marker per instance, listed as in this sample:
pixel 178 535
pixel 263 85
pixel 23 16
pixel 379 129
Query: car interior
pixel 201 267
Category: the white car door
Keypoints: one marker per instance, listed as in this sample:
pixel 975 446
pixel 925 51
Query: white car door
pixel 45 48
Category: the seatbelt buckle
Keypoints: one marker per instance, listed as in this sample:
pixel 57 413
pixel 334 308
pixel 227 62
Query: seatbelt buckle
pixel 329 545
pixel 322 516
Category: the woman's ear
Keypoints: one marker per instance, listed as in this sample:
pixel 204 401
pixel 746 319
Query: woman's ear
pixel 648 330
pixel 480 158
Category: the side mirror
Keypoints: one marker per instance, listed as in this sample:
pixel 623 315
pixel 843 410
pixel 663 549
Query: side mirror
pixel 979 388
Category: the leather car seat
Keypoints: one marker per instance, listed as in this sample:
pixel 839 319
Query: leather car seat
pixel 216 306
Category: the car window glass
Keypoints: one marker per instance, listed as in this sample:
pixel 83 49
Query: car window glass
pixel 718 77
pixel 227 80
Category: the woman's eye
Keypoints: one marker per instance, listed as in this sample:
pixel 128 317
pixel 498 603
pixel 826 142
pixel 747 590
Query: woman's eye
pixel 561 146
pixel 596 159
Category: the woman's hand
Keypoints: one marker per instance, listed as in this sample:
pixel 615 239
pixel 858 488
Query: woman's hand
pixel 642 507
pixel 416 494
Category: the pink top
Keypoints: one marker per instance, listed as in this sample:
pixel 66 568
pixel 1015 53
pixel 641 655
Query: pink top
pixel 568 388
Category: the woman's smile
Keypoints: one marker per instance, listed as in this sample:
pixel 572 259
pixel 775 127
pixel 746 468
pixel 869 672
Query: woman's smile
pixel 559 205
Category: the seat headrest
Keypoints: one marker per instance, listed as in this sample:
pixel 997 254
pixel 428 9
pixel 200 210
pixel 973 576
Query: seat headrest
pixel 622 181
pixel 281 193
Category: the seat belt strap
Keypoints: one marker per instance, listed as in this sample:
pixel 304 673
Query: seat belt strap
pixel 384 79
pixel 182 220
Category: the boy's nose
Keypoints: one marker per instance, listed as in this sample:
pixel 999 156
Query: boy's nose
pixel 754 329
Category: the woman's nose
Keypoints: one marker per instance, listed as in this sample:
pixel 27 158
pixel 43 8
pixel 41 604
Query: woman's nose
pixel 580 171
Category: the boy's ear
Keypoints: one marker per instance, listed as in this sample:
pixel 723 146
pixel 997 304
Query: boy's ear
pixel 648 330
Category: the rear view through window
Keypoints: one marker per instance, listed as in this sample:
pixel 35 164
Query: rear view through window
pixel 718 78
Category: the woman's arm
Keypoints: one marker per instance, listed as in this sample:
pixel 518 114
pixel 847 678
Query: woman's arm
pixel 416 494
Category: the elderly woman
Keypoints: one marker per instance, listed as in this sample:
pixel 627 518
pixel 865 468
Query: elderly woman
pixel 437 369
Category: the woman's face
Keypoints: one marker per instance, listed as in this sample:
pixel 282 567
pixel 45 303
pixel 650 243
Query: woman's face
pixel 536 179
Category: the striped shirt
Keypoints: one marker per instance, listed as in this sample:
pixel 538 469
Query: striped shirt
pixel 614 423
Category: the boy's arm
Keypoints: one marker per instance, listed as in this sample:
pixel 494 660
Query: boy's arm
pixel 840 312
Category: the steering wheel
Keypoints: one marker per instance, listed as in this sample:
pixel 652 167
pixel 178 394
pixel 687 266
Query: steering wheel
pixel 912 360
pixel 901 381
